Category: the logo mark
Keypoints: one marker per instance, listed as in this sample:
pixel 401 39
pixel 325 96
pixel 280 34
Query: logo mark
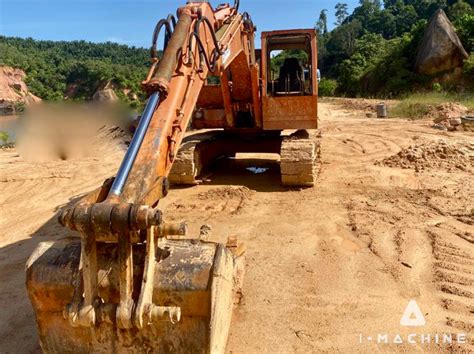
pixel 412 316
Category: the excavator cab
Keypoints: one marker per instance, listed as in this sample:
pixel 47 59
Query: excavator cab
pixel 289 79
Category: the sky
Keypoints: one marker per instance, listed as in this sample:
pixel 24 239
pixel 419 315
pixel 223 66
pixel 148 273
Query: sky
pixel 132 22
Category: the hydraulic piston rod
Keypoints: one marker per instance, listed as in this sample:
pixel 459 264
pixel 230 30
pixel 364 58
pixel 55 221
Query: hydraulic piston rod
pixel 135 144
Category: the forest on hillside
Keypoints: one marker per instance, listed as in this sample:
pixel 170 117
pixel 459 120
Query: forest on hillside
pixel 55 69
pixel 370 53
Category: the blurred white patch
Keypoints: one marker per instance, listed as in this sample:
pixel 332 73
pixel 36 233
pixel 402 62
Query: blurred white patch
pixel 66 131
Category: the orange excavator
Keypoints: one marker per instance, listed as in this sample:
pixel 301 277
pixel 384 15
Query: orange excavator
pixel 133 282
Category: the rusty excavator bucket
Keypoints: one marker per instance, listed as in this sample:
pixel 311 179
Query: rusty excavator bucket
pixel 185 299
pixel 132 283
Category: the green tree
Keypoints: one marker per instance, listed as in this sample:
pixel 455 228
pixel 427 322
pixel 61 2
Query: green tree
pixel 367 51
pixel 405 17
pixel 346 53
pixel 465 30
pixel 343 38
pixel 322 23
pixel 79 67
pixel 341 13
pixel 459 9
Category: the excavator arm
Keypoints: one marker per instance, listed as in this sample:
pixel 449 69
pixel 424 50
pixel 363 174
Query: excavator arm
pixel 204 41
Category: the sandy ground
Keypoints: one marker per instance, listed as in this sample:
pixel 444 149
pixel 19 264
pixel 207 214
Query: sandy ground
pixel 327 267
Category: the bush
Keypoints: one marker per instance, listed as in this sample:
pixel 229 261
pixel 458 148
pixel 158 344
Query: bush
pixel 409 109
pixel 327 87
pixel 465 30
pixel 468 68
pixel 3 137
pixel 369 49
pixel 437 87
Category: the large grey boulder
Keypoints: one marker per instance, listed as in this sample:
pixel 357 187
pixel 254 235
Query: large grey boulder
pixel 440 48
pixel 106 95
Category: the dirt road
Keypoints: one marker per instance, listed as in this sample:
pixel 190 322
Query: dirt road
pixel 327 267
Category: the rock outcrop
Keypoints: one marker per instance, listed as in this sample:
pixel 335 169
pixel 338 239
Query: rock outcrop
pixel 13 90
pixel 106 95
pixel 440 48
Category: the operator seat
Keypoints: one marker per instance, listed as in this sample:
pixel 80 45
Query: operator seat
pixel 290 74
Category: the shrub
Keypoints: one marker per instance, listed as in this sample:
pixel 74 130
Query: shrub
pixel 468 68
pixel 437 87
pixel 4 137
pixel 465 30
pixel 410 109
pixel 327 87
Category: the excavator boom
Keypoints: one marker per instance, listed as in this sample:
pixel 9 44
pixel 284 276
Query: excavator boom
pixel 174 84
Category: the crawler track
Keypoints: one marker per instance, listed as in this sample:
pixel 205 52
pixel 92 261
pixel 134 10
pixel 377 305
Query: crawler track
pixel 300 161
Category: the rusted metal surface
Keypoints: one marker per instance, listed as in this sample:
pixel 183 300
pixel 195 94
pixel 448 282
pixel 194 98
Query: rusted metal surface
pixel 227 101
pixel 211 96
pixel 242 92
pixel 105 220
pixel 196 277
pixel 241 79
pixel 281 112
pixel 176 110
pixel 256 106
pixel 167 65
pixel 146 311
pixel 289 111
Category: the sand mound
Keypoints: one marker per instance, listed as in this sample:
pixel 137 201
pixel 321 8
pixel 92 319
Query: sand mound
pixel 366 105
pixel 226 193
pixel 447 116
pixel 440 154
pixel 447 111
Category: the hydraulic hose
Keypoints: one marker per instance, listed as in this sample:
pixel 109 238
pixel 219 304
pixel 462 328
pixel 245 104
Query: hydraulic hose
pixel 216 53
pixel 169 31
pixel 168 62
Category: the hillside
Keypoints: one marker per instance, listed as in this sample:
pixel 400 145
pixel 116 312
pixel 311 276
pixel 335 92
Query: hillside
pixel 14 93
pixel 76 69
pixel 372 51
